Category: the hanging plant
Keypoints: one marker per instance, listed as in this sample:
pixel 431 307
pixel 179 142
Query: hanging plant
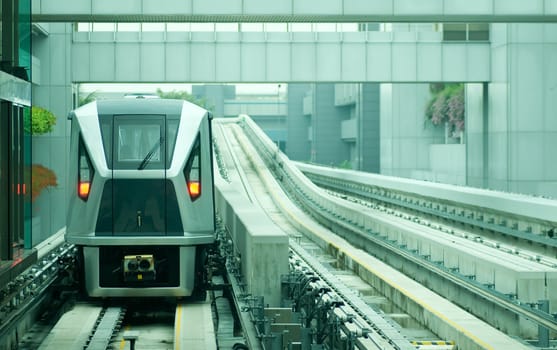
pixel 42 121
pixel 446 106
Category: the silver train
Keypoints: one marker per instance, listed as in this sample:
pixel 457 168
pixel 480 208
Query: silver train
pixel 142 209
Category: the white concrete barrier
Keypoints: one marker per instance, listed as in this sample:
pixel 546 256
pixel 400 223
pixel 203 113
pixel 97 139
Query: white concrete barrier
pixel 261 245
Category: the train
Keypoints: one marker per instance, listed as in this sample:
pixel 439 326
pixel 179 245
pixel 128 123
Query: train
pixel 141 205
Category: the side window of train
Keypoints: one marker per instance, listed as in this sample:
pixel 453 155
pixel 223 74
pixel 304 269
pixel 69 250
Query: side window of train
pixel 192 171
pixel 171 133
pixel 106 133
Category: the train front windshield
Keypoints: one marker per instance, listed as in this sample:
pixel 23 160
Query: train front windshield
pixel 138 204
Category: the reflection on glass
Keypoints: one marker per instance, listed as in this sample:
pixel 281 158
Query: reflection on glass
pixel 136 141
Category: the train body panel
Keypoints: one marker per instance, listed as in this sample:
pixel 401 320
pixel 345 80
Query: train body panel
pixel 142 174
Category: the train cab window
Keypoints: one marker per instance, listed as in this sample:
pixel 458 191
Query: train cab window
pixel 138 141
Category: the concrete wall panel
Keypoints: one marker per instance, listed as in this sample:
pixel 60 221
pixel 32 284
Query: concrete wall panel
pixel 119 7
pixel 353 62
pixel 101 62
pixel 548 151
pixel 526 150
pixel 517 7
pixel 550 6
pixel 368 6
pixel 152 65
pixel 276 6
pixel 404 62
pixel 253 62
pixel 167 6
pixel 379 63
pixel 228 62
pixel 478 64
pixel 325 10
pixel 404 7
pixel 128 60
pixel 202 61
pixel 477 7
pixel 298 59
pixel 429 62
pixel 303 62
pixel 454 63
pixel 328 55
pixel 317 6
pixel 217 6
pixel 279 63
pixel 177 61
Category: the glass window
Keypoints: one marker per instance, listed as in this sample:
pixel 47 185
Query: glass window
pixel 104 27
pixel 478 31
pixel 129 27
pixel 139 141
pixel 178 27
pixel 136 141
pixel 325 27
pixel 202 27
pixel 226 27
pixel 276 27
pixel 84 27
pixel 153 27
pixel 454 31
pixel 300 27
pixel 251 27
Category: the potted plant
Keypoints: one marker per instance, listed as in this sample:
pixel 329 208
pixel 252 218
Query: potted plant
pixel 42 121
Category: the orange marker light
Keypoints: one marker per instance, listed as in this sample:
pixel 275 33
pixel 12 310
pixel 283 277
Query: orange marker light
pixel 194 189
pixel 83 189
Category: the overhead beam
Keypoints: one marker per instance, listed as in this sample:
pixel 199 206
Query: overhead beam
pixel 295 11
pixel 276 57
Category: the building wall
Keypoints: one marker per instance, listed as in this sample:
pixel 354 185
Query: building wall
pixel 522 123
pixel 476 139
pixel 369 131
pixel 298 124
pixel 327 146
pixel 405 136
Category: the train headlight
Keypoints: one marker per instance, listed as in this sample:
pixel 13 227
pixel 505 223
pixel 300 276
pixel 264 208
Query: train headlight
pixel 139 267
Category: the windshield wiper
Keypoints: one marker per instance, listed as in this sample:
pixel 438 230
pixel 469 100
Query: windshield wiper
pixel 149 155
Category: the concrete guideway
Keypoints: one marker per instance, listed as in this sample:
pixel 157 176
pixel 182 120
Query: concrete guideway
pixel 295 11
pixel 445 318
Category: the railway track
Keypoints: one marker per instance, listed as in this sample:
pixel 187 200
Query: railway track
pixel 507 217
pixel 448 225
pixel 373 326
pixel 330 216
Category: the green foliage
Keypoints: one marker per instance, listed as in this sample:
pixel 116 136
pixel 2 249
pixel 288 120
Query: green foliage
pixel 42 121
pixel 345 164
pixel 183 95
pixel 92 96
pixel 446 105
